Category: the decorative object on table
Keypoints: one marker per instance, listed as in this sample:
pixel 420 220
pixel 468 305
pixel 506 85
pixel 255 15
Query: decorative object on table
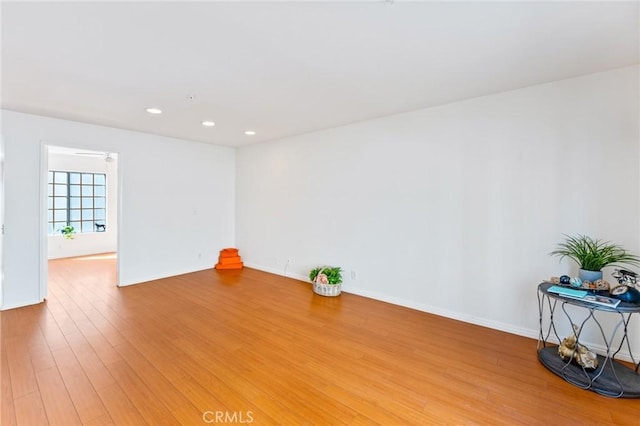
pixel 626 291
pixel 327 280
pixel 593 254
pixel 229 259
pixel 69 232
pixel 625 277
pixel 626 294
pixel 571 349
pixel 602 285
pixel 565 280
pixel 575 282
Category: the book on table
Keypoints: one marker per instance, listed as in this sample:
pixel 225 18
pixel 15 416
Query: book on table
pixel 584 296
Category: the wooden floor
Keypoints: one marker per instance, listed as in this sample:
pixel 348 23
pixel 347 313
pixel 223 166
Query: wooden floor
pixel 249 347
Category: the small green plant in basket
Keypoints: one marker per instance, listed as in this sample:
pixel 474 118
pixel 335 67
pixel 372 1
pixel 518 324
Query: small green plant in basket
pixel 326 275
pixel 327 280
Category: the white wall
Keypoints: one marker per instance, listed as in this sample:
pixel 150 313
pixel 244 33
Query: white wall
pixel 177 203
pixel 95 242
pixel 453 209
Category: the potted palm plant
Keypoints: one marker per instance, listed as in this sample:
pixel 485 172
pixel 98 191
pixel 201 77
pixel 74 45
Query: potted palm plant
pixel 592 255
pixel 327 280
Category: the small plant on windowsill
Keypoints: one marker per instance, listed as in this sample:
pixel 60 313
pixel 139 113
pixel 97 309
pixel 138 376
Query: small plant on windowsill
pixel 69 232
pixel 327 280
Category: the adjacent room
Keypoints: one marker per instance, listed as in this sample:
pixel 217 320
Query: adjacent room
pixel 82 202
pixel 436 152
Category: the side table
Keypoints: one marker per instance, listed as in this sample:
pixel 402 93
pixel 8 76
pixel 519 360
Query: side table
pixel 611 377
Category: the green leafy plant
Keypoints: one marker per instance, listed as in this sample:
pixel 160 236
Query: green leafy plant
pixel 68 232
pixel 330 274
pixel 593 254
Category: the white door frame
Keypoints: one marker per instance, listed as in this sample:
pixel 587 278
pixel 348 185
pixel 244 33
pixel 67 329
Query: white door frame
pixel 1 221
pixel 44 240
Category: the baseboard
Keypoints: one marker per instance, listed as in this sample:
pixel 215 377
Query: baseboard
pixel 496 325
pixel 275 271
pixel 21 304
pixel 145 279
pixel 471 319
pixel 92 253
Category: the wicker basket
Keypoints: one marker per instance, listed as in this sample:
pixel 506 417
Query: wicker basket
pixel 330 290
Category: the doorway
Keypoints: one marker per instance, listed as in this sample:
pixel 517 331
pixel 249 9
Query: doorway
pixel 79 206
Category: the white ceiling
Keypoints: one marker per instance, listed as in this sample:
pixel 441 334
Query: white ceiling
pixel 286 68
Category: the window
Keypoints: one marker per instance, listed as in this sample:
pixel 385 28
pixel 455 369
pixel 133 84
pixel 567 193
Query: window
pixel 77 199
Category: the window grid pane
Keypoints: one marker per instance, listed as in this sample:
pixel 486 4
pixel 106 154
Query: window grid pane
pixel 76 199
pixel 60 190
pixel 60 177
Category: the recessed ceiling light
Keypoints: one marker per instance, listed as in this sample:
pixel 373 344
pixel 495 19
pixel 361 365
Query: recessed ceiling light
pixel 249 133
pixel 208 123
pixel 154 110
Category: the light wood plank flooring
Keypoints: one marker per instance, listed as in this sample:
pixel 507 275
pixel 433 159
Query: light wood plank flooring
pixel 249 347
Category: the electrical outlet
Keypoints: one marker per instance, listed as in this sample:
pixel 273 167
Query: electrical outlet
pixel 354 275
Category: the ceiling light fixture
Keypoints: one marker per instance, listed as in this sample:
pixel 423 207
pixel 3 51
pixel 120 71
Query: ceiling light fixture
pixel 249 133
pixel 208 123
pixel 154 110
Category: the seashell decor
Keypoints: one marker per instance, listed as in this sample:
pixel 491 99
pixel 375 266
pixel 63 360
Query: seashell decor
pixel 600 285
pixel 570 348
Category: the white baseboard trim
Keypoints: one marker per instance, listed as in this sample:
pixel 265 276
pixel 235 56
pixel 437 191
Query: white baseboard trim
pixel 496 325
pixel 21 304
pixel 146 279
pixel 276 271
pixel 483 322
